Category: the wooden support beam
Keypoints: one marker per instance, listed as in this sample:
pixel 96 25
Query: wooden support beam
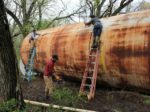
pixel 56 106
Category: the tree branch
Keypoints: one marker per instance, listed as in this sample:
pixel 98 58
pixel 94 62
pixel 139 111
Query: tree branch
pixel 16 34
pixel 17 4
pixel 98 12
pixel 15 19
pixel 31 7
pixel 122 5
pixel 89 3
pixel 67 16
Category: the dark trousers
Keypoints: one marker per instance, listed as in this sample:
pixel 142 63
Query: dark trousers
pixel 97 30
pixel 96 34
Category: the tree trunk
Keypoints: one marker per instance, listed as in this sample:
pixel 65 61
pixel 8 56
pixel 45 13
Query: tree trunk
pixel 8 62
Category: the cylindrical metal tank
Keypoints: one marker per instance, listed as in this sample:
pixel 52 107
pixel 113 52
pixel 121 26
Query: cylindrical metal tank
pixel 125 50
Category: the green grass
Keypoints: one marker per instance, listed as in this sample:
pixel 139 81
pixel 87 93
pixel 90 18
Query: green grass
pixel 8 106
pixel 66 96
pixel 11 106
pixel 147 101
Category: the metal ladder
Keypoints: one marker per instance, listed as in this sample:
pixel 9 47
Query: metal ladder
pixel 29 66
pixel 90 74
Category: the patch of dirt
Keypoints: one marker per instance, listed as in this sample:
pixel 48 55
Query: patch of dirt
pixel 105 100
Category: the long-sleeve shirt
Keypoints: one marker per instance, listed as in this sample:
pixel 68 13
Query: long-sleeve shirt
pixel 49 68
pixel 34 35
pixel 93 21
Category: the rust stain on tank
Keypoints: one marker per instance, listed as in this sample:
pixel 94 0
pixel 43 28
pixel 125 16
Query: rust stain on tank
pixel 125 52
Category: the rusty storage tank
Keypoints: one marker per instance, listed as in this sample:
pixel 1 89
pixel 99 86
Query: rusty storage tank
pixel 125 51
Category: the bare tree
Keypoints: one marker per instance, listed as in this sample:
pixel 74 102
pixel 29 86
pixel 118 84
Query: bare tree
pixel 106 8
pixel 25 12
pixel 137 6
pixel 30 13
pixel 143 5
pixel 9 88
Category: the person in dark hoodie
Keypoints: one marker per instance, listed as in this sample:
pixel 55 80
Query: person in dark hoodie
pixel 97 29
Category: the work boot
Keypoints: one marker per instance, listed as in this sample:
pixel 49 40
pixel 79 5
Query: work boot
pixel 47 97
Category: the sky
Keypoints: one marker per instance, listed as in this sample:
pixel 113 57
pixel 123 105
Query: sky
pixel 70 6
pixel 73 4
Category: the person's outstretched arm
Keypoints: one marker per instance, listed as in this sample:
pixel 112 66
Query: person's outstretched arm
pixel 88 23
pixel 37 34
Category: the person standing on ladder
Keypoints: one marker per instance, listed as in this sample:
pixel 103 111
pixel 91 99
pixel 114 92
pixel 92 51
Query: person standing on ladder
pixel 32 52
pixel 48 73
pixel 96 30
pixel 33 37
